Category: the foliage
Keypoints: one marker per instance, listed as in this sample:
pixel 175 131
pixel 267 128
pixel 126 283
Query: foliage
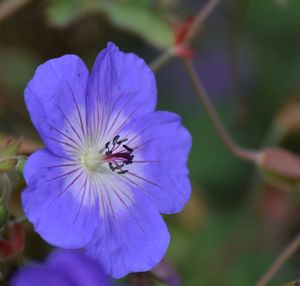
pixel 149 23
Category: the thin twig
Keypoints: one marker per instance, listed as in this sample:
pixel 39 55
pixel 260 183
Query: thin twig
pixel 162 59
pixel 199 19
pixel 290 249
pixel 249 155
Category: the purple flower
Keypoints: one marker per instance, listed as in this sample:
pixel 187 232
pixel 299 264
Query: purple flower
pixel 62 268
pixel 110 165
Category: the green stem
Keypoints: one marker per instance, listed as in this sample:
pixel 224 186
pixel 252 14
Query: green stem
pixel 162 59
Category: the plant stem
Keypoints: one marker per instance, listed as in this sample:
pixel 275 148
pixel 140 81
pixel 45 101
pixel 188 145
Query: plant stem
pixel 162 59
pixel 249 155
pixel 289 250
pixel 199 19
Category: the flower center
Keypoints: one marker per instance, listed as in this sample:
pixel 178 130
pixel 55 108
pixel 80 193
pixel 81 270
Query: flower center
pixel 92 160
pixel 118 155
pixel 115 153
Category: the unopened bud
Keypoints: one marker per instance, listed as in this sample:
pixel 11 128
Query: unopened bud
pixel 281 167
pixel 21 163
pixel 8 156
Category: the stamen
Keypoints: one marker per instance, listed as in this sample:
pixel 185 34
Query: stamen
pixel 117 160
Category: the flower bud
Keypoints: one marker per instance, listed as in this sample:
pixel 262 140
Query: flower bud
pixel 21 163
pixel 280 167
pixel 8 156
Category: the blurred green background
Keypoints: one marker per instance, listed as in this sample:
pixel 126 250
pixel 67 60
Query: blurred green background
pixel 248 56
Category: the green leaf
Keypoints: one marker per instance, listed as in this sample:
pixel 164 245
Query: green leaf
pixel 61 13
pixel 139 17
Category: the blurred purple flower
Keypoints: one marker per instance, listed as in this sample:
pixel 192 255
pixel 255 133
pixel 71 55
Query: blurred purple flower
pixel 62 268
pixel 166 273
pixel 111 163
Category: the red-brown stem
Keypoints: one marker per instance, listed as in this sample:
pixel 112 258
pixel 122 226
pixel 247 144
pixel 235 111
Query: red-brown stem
pixel 287 252
pixel 249 155
pixel 200 18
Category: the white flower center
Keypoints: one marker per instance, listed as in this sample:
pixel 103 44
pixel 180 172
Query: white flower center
pixel 115 154
pixel 93 160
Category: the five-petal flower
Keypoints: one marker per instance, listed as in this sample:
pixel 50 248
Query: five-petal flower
pixel 111 163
